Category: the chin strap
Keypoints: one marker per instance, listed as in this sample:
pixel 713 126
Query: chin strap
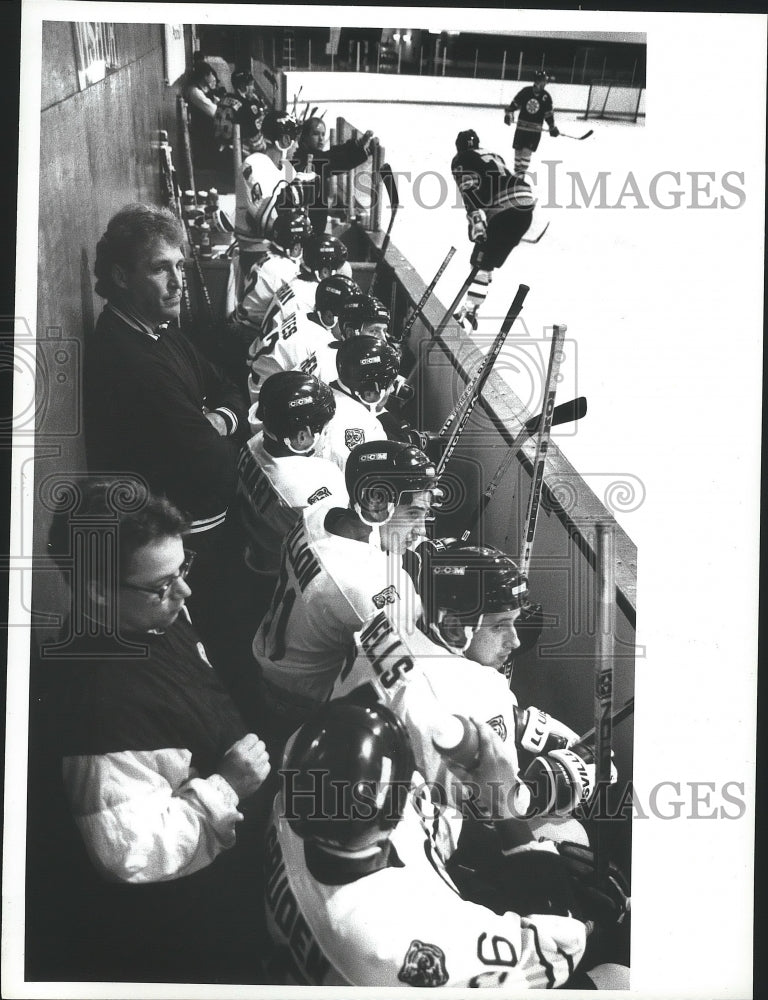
pixel 469 635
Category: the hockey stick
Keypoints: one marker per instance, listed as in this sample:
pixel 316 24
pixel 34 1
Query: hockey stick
pixel 618 716
pixel 604 673
pixel 542 445
pixel 565 413
pixel 448 315
pixel 408 325
pixel 390 185
pixel 296 100
pixel 536 240
pixel 482 377
pixel 533 127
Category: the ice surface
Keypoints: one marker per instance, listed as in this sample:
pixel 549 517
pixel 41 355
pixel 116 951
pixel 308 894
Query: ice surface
pixel 582 273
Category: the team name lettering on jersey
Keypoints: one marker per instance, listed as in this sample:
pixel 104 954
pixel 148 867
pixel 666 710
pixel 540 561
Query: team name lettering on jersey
pixel 303 563
pixel 284 294
pixel 288 327
pixel 386 652
pixel 285 912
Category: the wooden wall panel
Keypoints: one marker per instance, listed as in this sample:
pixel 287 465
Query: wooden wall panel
pixel 95 157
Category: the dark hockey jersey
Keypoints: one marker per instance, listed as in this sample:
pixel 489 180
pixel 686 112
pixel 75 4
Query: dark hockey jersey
pixel 485 182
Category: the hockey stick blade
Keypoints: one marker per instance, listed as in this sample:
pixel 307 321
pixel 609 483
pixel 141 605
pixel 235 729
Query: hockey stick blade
pixel 536 240
pixel 564 413
pixel 390 185
pixel 578 138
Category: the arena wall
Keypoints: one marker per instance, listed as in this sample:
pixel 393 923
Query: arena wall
pixel 401 88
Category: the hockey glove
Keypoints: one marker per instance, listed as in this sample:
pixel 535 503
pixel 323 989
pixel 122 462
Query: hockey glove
pixel 559 781
pixel 478 228
pixel 554 131
pixel 508 118
pixel 537 732
pixel 606 899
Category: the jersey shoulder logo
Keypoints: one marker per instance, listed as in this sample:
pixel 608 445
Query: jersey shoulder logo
pixel 353 436
pixel 386 596
pixel 423 965
pixel 499 726
pixel 320 494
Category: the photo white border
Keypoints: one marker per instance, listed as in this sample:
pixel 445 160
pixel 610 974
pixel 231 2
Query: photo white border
pixel 696 692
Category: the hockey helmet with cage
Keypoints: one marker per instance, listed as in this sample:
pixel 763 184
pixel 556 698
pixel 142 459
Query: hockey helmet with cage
pixel 380 474
pixel 333 293
pixel 368 365
pixel 292 401
pixel 348 770
pixel 279 126
pixel 469 139
pixel 324 252
pixel 365 310
pixel 291 228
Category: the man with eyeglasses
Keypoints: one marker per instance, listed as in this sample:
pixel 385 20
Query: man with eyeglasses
pixel 158 768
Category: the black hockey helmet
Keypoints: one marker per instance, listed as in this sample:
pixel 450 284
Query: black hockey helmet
pixel 379 474
pixel 366 309
pixel 290 401
pixel 468 139
pixel 540 75
pixel 278 126
pixel 333 293
pixel 291 228
pixel 346 775
pixel 322 251
pixel 469 581
pixel 367 363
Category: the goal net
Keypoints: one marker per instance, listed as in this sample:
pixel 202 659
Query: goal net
pixel 613 100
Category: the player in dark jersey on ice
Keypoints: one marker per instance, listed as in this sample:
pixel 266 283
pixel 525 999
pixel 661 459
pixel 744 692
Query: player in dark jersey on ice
pixel 499 210
pixel 534 105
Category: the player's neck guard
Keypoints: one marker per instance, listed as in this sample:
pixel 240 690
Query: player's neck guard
pixel 334 866
pixel 375 526
pixel 302 451
pixel 469 634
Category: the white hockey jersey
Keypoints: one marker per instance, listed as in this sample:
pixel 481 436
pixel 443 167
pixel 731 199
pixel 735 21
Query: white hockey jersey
pixel 351 425
pixel 406 924
pixel 423 682
pixel 259 185
pixel 299 341
pixel 275 490
pixel 261 285
pixel 328 587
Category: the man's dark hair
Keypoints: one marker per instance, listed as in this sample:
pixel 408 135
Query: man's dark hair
pixel 121 502
pixel 130 232
pixel 200 71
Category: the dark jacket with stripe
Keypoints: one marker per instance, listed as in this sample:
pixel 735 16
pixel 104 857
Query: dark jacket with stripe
pixel 143 413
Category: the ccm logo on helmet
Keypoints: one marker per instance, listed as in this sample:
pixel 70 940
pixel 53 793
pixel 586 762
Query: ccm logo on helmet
pixel 450 570
pixel 371 360
pixel 375 456
pixel 302 401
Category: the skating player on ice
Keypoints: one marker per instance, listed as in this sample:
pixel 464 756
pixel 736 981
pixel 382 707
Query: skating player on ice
pixel 534 107
pixel 499 209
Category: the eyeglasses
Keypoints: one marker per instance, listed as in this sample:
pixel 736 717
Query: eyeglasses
pixel 162 592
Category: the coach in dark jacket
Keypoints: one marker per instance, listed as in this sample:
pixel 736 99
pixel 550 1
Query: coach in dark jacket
pixel 153 405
